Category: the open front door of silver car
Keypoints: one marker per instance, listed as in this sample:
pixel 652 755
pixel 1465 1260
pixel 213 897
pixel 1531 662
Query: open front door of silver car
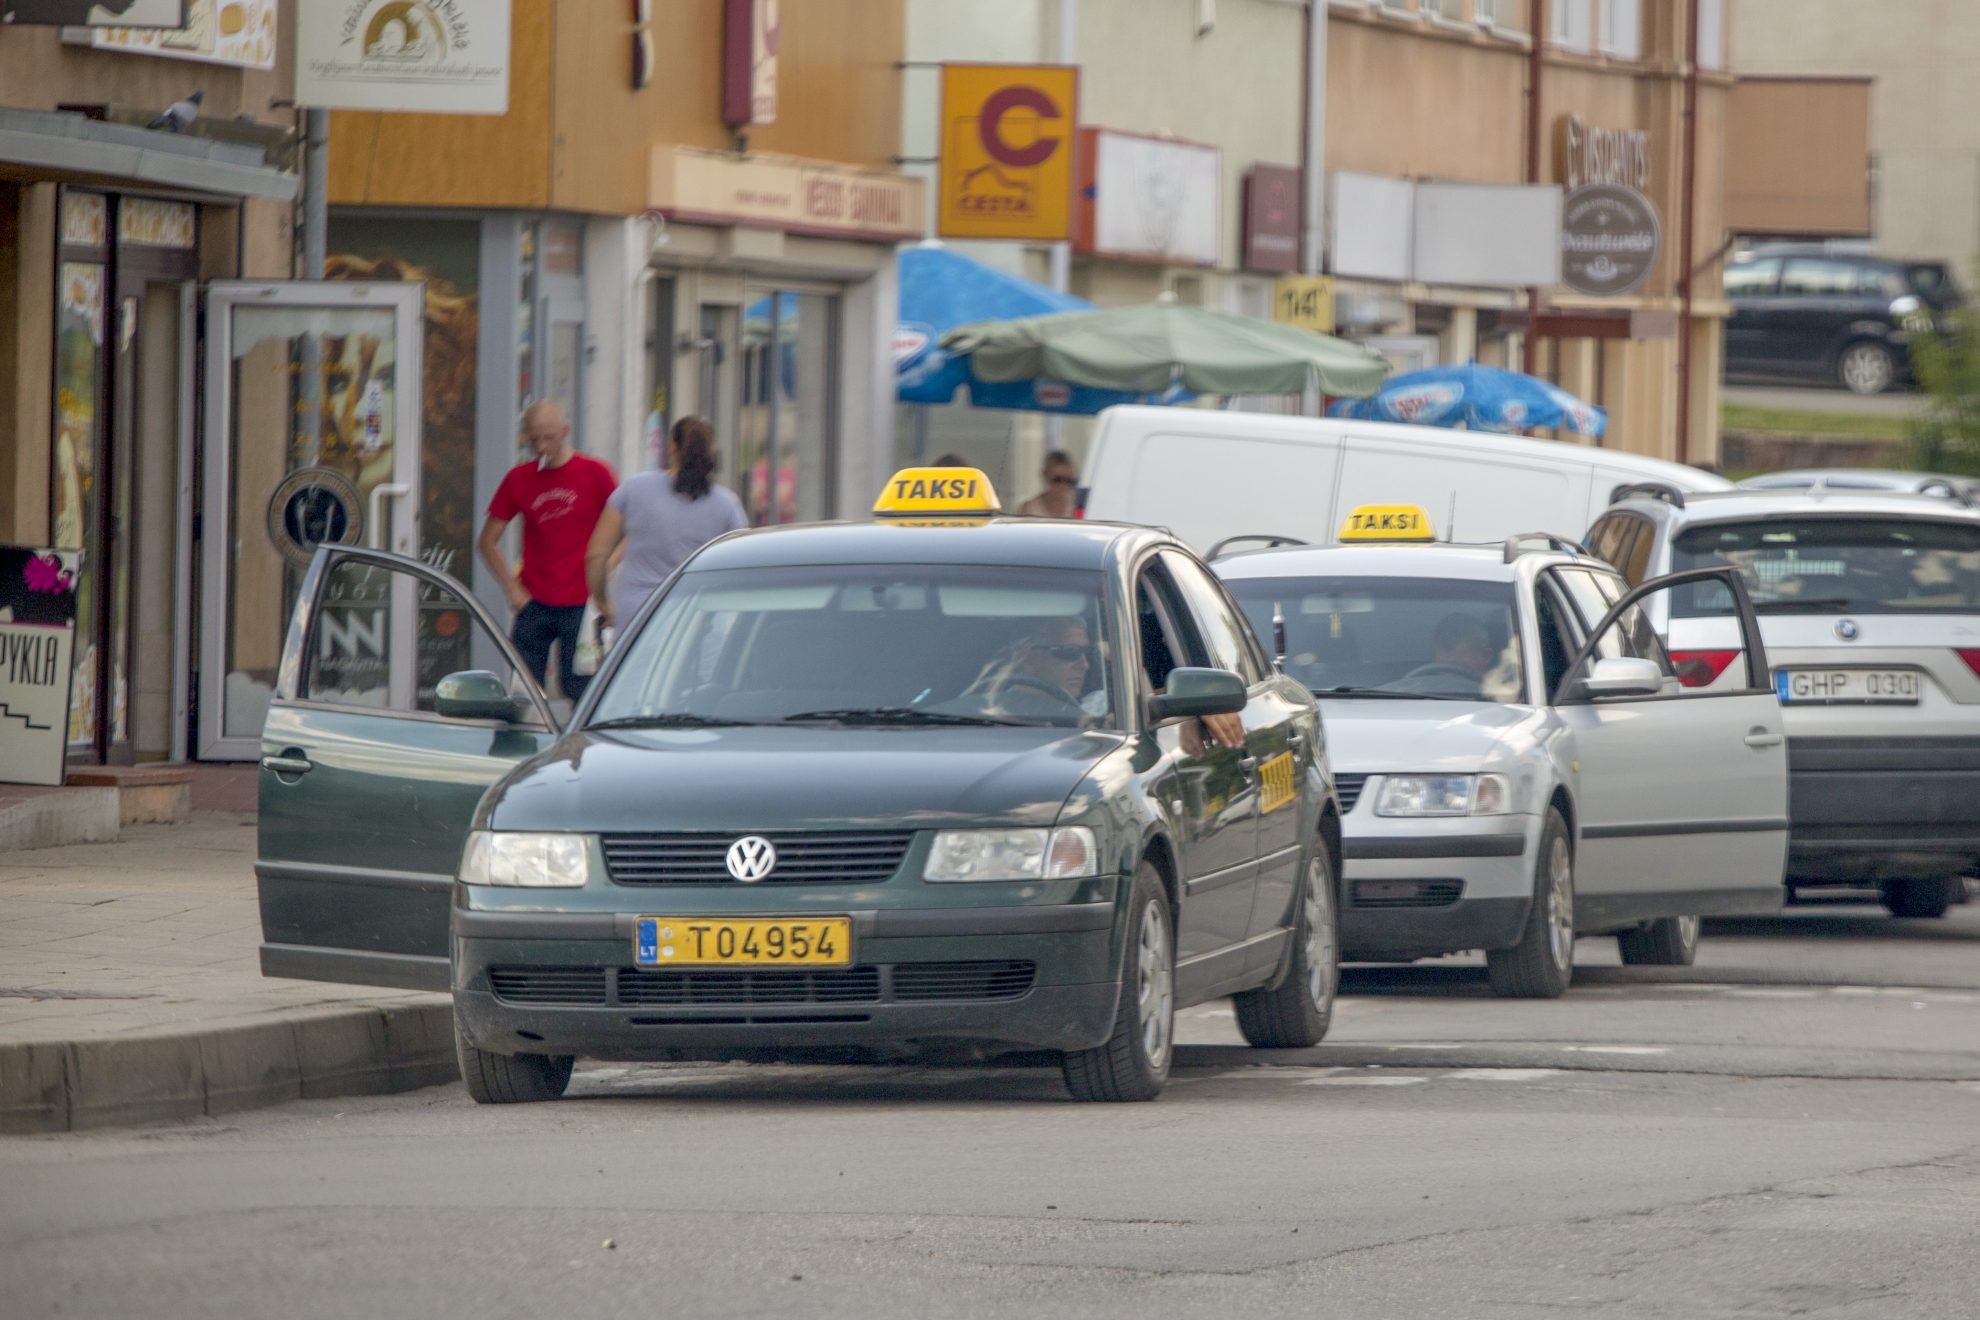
pixel 1680 793
pixel 367 790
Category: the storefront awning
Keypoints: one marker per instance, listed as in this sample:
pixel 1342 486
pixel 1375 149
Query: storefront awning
pixel 45 146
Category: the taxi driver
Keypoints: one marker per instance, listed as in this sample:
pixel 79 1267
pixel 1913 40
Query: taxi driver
pixel 1045 668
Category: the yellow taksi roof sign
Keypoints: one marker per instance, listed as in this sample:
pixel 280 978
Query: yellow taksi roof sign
pixel 952 491
pixel 1387 522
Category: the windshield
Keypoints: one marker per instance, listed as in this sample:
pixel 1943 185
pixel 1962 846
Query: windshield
pixel 922 644
pixel 1392 636
pixel 1834 566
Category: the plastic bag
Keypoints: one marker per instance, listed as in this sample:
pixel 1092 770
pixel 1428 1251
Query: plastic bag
pixel 594 640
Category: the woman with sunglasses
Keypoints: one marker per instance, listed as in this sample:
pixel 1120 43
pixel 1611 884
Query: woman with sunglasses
pixel 1060 498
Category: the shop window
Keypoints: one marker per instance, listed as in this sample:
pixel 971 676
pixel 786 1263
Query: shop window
pixel 659 354
pixel 526 242
pixel 789 416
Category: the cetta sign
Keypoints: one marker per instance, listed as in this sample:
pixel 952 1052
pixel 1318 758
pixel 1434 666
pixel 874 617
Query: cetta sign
pixel 1007 150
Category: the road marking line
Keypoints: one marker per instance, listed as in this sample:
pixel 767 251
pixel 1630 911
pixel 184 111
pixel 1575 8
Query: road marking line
pixel 1503 1074
pixel 1366 1079
pixel 1615 1049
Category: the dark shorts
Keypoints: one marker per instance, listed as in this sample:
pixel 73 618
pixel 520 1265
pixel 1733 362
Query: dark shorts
pixel 537 627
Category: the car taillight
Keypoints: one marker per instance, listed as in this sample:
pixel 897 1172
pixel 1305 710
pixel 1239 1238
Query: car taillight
pixel 1701 668
pixel 1972 658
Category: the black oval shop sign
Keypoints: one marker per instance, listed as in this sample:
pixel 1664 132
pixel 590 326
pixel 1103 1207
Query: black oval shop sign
pixel 1610 238
pixel 314 506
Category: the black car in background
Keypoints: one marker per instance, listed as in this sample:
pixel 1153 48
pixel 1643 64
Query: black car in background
pixel 1838 316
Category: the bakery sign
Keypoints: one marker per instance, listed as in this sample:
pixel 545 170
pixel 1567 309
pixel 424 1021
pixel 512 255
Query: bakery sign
pixel 697 186
pixel 37 657
pixel 431 56
pixel 1611 237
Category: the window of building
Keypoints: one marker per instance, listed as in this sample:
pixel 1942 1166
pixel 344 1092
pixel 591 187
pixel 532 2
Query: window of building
pixel 1570 24
pixel 1712 34
pixel 1454 9
pixel 1621 32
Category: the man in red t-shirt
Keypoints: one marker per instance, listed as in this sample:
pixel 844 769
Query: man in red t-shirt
pixel 559 495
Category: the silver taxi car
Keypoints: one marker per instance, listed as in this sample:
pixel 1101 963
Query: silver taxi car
pixel 1517 762
pixel 1869 603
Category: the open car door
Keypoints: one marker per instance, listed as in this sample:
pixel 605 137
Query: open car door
pixel 1682 792
pixel 366 790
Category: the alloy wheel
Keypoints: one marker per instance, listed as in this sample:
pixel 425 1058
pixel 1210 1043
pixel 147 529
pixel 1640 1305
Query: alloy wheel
pixel 1560 904
pixel 1321 965
pixel 1154 985
pixel 1866 369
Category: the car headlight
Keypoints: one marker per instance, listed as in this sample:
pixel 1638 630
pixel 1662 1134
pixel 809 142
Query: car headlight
pixel 1065 853
pixel 1444 795
pixel 534 861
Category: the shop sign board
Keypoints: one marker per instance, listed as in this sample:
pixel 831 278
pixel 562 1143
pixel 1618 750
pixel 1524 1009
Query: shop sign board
pixel 1150 199
pixel 1589 154
pixel 1271 218
pixel 784 192
pixel 1610 239
pixel 240 33
pixel 95 13
pixel 431 56
pixel 1007 139
pixel 751 32
pixel 37 644
pixel 1306 301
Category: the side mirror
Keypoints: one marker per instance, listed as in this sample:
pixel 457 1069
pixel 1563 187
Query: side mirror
pixel 473 694
pixel 1199 692
pixel 1623 676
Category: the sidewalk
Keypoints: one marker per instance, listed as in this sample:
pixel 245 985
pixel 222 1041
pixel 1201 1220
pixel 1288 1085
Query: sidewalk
pixel 131 990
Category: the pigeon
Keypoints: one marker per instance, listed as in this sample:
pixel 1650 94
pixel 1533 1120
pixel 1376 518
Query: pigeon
pixel 178 116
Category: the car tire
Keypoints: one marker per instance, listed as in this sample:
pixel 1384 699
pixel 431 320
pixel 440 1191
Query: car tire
pixel 1865 367
pixel 510 1079
pixel 1925 897
pixel 1133 1062
pixel 1296 1012
pixel 1665 942
pixel 1541 965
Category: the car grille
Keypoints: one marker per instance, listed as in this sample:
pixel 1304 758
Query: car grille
pixel 702 859
pixel 963 980
pixel 1348 788
pixel 1405 893
pixel 639 987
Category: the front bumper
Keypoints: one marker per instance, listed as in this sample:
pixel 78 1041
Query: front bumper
pixel 924 980
pixel 1419 888
pixel 1867 809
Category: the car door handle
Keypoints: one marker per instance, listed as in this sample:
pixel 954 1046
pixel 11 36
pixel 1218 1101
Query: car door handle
pixel 1295 739
pixel 287 765
pixel 1248 763
pixel 1760 739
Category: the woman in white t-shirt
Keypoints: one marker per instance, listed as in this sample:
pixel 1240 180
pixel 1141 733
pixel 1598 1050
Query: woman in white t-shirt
pixel 660 518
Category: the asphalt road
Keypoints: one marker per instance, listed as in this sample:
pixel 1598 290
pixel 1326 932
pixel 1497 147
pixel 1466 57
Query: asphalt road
pixel 1821 398
pixel 1790 1128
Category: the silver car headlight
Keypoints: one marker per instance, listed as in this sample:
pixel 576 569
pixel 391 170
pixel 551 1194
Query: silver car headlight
pixel 1444 795
pixel 531 861
pixel 1065 853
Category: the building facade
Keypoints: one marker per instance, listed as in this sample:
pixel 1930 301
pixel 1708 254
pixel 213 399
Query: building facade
pixel 1924 109
pixel 108 227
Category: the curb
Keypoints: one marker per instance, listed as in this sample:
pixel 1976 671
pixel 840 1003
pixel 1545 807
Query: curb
pixel 63 1086
pixel 50 820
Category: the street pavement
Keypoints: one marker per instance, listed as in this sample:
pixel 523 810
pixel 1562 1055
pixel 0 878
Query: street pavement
pixel 1822 398
pixel 1790 1128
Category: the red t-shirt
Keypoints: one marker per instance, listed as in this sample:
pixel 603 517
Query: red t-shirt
pixel 559 508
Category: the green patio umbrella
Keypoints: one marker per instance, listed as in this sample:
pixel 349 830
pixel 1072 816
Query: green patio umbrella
pixel 1149 348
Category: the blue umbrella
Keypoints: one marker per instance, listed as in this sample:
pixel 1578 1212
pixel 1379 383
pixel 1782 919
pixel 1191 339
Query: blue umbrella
pixel 1476 398
pixel 940 290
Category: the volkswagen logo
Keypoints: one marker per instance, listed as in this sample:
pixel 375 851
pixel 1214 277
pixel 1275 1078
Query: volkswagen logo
pixel 751 858
pixel 1847 630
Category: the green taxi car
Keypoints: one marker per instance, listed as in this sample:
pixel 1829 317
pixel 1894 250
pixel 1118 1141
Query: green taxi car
pixel 931 784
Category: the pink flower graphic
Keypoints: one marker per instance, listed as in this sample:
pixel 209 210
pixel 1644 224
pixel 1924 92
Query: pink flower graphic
pixel 46 574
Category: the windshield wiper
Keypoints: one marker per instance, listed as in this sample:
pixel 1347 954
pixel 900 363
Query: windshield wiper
pixel 1391 695
pixel 897 715
pixel 1786 603
pixel 671 720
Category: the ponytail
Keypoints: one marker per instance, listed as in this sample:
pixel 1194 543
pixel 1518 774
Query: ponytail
pixel 694 456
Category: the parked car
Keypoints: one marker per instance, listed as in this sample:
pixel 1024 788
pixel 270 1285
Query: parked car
pixel 1517 763
pixel 1212 476
pixel 876 788
pixel 1869 604
pixel 1842 317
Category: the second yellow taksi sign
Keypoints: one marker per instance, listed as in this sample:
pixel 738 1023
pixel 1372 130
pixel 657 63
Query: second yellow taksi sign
pixel 1007 137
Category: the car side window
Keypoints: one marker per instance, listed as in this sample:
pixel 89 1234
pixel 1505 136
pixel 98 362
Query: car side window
pixel 1605 538
pixel 1166 640
pixel 384 637
pixel 1818 277
pixel 1590 604
pixel 1752 279
pixel 1631 635
pixel 1224 632
pixel 1635 563
pixel 1557 639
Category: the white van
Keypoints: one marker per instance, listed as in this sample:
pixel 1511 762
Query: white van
pixel 1208 476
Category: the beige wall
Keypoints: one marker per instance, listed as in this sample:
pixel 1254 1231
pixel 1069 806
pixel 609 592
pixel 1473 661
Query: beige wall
pixel 1776 186
pixel 577 136
pixel 1924 104
pixel 38 70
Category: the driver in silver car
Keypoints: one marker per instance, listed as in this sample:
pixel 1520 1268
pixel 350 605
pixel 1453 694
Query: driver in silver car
pixel 1461 655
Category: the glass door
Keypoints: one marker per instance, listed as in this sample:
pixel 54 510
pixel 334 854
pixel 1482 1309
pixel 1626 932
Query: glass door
pixel 312 436
pixel 789 413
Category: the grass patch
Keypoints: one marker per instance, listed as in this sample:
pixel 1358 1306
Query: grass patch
pixel 1801 421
